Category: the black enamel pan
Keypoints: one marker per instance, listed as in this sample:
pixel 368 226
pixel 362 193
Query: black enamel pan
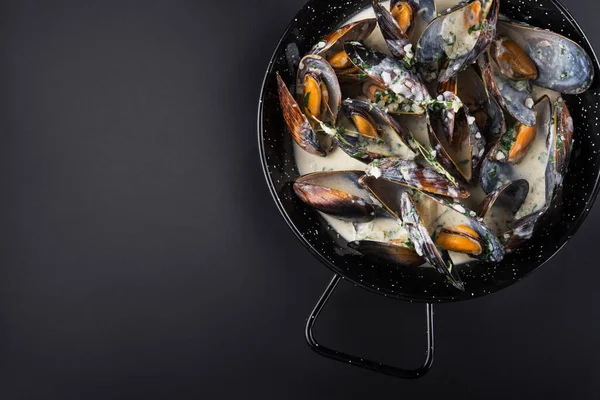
pixel 553 231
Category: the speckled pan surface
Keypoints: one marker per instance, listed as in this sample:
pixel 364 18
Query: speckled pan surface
pixel 558 225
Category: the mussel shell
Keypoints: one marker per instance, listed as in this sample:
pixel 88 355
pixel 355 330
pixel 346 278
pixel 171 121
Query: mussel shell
pixel 424 245
pixel 471 90
pixel 562 64
pixel 504 92
pixel 493 249
pixel 424 10
pixel 431 56
pixel 390 73
pixel 522 230
pixel 470 139
pixel 395 39
pixel 297 123
pixel 385 193
pixel 509 196
pixel 358 30
pixel 318 66
pixel 366 148
pixel 563 123
pixel 336 193
pixel 487 33
pixel 381 118
pixel 413 175
pixel 495 173
pixel 387 253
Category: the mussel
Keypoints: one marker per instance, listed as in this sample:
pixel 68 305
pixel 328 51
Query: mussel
pixel 500 207
pixel 373 134
pixel 318 90
pixel 512 60
pixel 562 65
pixel 563 124
pixel 488 114
pixel 331 47
pixel 455 137
pixel 424 245
pixel 394 29
pixel 514 143
pixel 318 101
pixel 513 96
pixel 395 252
pixel 337 193
pixel 297 123
pixel 458 229
pixel 408 12
pixel 404 92
pixel 456 39
pixel 504 162
pixel 413 175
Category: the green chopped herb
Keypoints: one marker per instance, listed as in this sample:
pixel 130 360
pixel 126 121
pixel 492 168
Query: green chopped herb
pixel 306 99
pixel 564 75
pixel 476 28
pixel 493 173
pixel 451 40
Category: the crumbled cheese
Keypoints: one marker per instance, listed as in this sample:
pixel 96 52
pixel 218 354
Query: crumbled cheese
pixel 375 172
pixel 478 135
pixel 456 105
pixel 529 102
pixel 471 120
pixel 500 156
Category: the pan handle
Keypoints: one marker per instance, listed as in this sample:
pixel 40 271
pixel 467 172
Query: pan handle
pixel 359 361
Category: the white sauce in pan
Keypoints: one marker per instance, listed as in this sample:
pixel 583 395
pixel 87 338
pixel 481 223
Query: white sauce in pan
pixel 386 229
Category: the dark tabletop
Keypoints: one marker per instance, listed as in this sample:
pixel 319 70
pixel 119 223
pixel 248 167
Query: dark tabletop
pixel 143 257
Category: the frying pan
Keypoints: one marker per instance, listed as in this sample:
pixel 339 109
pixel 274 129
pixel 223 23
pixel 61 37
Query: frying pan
pixel 425 285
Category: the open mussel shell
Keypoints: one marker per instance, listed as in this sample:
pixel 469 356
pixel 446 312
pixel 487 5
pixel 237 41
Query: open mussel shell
pixel 483 107
pixel 333 41
pixel 318 89
pixel 563 124
pixel 379 134
pixel 512 60
pixel 460 150
pixel 424 245
pixel 404 84
pixel 495 168
pixel 390 253
pixel 396 37
pixel 373 135
pixel 499 208
pixel 522 230
pixel 421 10
pixel 337 193
pixel 513 96
pixel 455 40
pixel 492 249
pixel 413 175
pixel 299 127
pixel 562 64
pixel 331 47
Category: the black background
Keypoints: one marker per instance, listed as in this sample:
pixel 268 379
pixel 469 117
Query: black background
pixel 142 255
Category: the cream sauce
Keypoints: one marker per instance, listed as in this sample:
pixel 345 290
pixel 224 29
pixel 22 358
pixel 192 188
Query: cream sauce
pixel 387 229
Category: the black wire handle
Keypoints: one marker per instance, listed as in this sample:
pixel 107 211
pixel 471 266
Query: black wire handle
pixel 359 361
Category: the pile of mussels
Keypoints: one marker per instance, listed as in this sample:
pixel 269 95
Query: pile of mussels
pixel 489 126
